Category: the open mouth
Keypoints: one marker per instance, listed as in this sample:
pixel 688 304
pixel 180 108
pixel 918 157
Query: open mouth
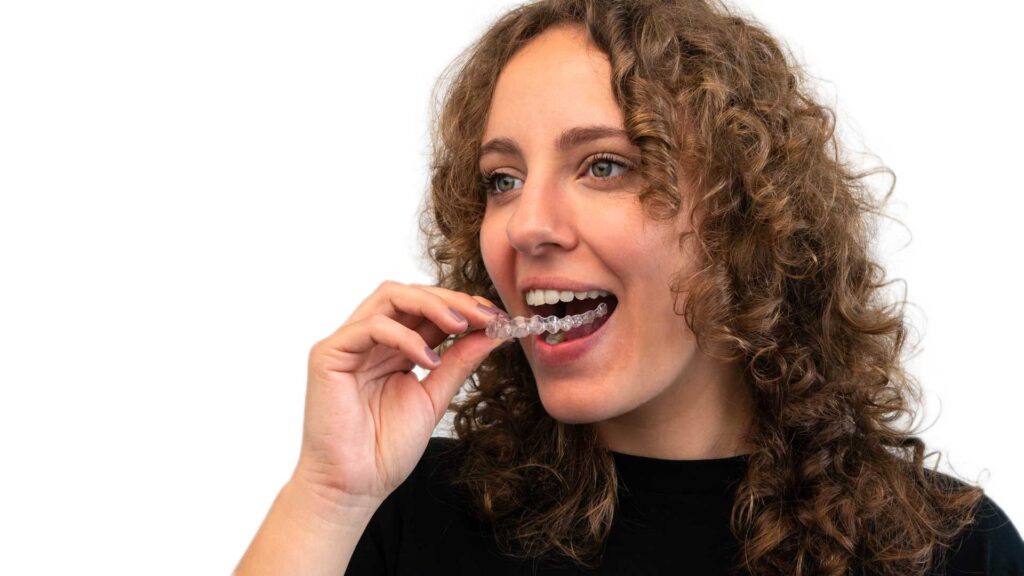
pixel 572 308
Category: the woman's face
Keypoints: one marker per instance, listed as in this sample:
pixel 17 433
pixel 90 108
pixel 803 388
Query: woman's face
pixel 559 218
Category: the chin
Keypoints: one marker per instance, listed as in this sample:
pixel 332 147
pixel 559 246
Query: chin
pixel 575 406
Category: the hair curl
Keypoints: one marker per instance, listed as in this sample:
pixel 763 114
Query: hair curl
pixel 786 286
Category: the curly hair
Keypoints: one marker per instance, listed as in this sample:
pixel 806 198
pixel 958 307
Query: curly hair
pixel 786 286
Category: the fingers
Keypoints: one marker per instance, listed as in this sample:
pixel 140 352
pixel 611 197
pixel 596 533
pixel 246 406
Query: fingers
pixel 480 308
pixel 410 306
pixel 429 313
pixel 457 364
pixel 477 310
pixel 356 338
pixel 472 301
pixel 450 310
pixel 412 319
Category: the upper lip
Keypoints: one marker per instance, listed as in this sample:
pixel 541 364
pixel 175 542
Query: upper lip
pixel 557 283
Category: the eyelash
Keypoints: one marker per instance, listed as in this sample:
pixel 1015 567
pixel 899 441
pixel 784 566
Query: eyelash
pixel 487 183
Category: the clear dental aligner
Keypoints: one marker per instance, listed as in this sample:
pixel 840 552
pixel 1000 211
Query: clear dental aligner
pixel 521 327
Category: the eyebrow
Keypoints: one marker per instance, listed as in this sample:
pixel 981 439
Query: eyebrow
pixel 568 140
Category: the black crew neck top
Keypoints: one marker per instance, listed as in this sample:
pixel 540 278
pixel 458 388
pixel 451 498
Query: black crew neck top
pixel 673 518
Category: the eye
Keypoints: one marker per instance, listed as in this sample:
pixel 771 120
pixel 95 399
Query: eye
pixel 502 179
pixel 604 162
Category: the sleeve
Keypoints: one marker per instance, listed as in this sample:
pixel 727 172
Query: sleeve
pixel 991 546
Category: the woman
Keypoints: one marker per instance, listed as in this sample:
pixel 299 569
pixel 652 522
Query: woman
pixel 736 411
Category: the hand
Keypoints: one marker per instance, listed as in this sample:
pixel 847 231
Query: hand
pixel 368 419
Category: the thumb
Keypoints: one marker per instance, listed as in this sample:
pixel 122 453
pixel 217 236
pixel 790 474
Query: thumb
pixel 457 363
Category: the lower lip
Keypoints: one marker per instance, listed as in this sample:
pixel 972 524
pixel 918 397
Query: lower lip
pixel 567 352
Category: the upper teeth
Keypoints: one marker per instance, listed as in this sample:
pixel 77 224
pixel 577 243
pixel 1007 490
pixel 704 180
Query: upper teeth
pixel 540 297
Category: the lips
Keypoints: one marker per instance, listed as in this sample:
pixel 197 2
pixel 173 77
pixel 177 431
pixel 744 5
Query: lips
pixel 578 340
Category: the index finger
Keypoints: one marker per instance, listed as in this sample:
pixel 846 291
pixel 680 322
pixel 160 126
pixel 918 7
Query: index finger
pixel 478 310
pixel 412 307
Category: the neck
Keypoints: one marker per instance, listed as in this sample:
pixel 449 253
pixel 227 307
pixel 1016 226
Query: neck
pixel 703 416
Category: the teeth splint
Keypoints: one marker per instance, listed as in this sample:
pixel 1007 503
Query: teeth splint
pixel 520 327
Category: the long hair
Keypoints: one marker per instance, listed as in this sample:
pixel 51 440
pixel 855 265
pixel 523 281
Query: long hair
pixel 786 286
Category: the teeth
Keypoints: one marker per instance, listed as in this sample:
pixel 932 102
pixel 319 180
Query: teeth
pixel 541 297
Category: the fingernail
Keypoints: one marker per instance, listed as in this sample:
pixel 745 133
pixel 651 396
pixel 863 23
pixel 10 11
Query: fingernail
pixel 455 314
pixel 504 344
pixel 434 356
pixel 491 310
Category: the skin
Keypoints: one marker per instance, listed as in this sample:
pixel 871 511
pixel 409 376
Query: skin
pixel 646 386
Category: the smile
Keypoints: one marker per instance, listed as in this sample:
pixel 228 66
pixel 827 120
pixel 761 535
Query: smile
pixel 575 314
pixel 565 318
pixel 565 348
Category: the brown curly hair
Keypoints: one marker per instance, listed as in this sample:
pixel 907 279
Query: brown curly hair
pixel 786 286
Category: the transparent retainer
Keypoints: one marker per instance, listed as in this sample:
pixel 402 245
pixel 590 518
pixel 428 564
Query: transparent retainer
pixel 521 327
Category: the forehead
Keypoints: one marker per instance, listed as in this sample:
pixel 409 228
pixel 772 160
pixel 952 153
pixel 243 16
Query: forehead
pixel 558 80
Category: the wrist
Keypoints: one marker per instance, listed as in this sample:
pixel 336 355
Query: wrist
pixel 306 533
pixel 329 508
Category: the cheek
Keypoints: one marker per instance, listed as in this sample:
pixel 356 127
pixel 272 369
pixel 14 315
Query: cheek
pixel 493 249
pixel 625 242
pixel 645 254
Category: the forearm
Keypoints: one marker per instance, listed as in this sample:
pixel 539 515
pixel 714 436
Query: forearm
pixel 304 533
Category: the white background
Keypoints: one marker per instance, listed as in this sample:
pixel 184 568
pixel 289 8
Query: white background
pixel 193 193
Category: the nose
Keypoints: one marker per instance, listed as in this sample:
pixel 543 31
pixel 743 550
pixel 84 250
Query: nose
pixel 543 219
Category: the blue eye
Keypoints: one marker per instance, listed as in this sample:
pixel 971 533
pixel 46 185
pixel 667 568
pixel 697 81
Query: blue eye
pixel 500 177
pixel 603 162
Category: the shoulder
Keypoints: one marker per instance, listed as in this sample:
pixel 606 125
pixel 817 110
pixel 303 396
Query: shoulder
pixel 990 545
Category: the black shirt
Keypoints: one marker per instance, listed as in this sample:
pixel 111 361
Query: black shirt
pixel 672 514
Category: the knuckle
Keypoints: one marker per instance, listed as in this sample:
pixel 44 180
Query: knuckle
pixel 484 301
pixel 377 321
pixel 316 353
